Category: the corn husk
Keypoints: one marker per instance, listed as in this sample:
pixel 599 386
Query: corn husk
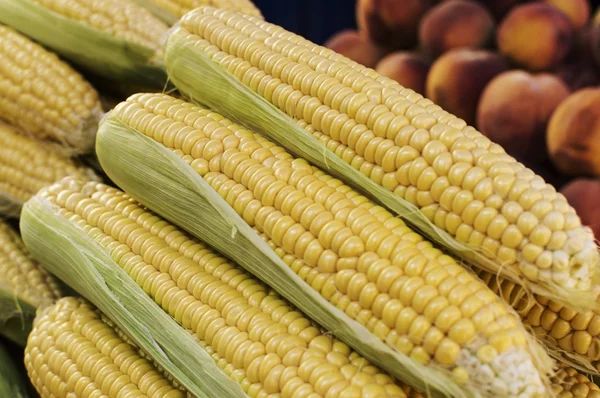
pixel 12 382
pixel 164 15
pixel 171 18
pixel 16 316
pixel 73 256
pixel 139 165
pixel 207 83
pixel 87 47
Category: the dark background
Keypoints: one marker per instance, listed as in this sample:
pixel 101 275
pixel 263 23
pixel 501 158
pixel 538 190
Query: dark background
pixel 316 20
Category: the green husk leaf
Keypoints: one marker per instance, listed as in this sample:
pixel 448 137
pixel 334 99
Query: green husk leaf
pixel 9 206
pixel 12 383
pixel 205 82
pixel 97 51
pixel 16 316
pixel 159 12
pixel 72 255
pixel 139 165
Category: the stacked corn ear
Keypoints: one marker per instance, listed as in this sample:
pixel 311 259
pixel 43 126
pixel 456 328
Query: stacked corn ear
pixel 45 97
pixel 570 335
pixel 171 11
pixel 117 39
pixel 444 177
pixel 12 382
pixel 252 341
pixel 347 263
pixel 27 164
pixel 568 383
pixel 24 286
pixel 76 351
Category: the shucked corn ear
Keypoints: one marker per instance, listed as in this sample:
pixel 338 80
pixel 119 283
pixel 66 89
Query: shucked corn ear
pixel 44 96
pixel 118 39
pixel 568 383
pixel 425 164
pixel 76 351
pixel 253 336
pixel 26 165
pixel 24 286
pixel 171 11
pixel 350 265
pixel 12 383
pixel 570 335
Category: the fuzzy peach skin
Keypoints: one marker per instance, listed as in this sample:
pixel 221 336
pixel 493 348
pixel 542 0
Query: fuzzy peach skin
pixel 455 24
pixel 352 45
pixel 391 23
pixel 457 79
pixel 514 111
pixel 536 36
pixel 498 8
pixel 410 69
pixel 583 195
pixel 578 11
pixel 574 134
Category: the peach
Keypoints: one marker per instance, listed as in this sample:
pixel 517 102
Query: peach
pixel 455 24
pixel 574 134
pixel 351 44
pixel 391 23
pixel 498 8
pixel 582 194
pixel 514 111
pixel 537 36
pixel 407 68
pixel 578 11
pixel 457 79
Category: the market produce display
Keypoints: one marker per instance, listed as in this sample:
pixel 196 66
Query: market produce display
pixel 462 190
pixel 196 202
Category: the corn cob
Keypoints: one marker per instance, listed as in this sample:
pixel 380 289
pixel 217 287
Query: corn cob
pixel 24 286
pixel 254 336
pixel 44 96
pixel 425 164
pixel 27 279
pixel 75 351
pixel 26 165
pixel 572 336
pixel 117 39
pixel 329 247
pixel 568 383
pixel 171 10
pixel 11 382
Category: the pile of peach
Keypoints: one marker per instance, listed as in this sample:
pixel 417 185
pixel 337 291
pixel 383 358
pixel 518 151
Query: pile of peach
pixel 525 73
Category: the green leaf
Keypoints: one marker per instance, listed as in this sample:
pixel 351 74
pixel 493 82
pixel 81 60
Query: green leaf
pixel 12 383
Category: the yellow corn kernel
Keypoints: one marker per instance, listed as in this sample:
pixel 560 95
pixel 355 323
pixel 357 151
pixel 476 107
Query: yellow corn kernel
pixel 74 350
pixel 246 327
pixel 23 275
pixel 345 104
pixel 27 165
pixel 44 96
pixel 397 293
pixel 552 323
